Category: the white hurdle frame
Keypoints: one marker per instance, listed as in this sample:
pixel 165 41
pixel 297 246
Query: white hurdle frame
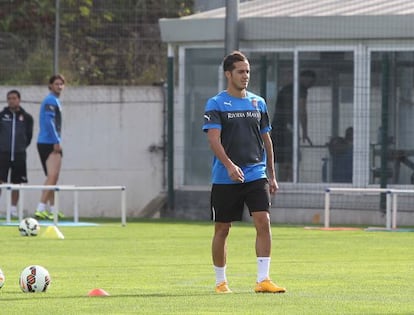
pixel 395 193
pixel 390 221
pixel 57 188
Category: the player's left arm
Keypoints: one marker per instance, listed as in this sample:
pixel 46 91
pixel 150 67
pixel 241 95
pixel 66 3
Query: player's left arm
pixel 270 164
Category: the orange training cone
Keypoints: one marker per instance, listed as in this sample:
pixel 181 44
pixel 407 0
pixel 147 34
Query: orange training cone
pixel 98 292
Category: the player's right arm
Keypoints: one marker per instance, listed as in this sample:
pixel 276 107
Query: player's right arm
pixel 235 172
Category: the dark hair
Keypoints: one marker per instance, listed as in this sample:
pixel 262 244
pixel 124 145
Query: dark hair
pixel 308 74
pixel 55 77
pixel 229 60
pixel 14 92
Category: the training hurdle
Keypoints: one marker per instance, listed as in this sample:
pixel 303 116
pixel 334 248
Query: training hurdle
pixel 57 189
pixel 394 194
pixel 391 202
pixel 388 193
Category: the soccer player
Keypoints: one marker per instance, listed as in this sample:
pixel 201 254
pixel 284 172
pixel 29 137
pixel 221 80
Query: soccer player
pixel 49 144
pixel 237 125
pixel 16 131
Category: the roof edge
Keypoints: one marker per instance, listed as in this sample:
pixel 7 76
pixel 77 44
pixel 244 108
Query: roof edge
pixel 290 28
pixel 179 30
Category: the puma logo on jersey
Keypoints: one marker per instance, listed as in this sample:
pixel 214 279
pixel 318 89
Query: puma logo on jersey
pixel 227 103
pixel 207 117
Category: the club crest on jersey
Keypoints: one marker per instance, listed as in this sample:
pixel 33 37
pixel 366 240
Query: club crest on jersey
pixel 254 102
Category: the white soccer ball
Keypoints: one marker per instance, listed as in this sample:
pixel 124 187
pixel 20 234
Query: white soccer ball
pixel 2 279
pixel 34 279
pixel 29 227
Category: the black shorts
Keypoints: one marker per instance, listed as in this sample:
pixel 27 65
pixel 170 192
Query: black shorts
pixel 17 168
pixel 44 150
pixel 227 201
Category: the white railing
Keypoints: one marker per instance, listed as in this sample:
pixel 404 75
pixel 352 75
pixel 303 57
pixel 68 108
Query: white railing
pixel 58 188
pixel 391 202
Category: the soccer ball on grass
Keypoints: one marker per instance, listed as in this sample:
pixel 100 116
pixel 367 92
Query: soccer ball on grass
pixel 34 278
pixel 29 227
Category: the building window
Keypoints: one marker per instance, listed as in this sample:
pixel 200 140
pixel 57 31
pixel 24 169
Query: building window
pixel 391 118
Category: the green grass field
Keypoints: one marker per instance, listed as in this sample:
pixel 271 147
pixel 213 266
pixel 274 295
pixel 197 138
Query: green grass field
pixel 159 267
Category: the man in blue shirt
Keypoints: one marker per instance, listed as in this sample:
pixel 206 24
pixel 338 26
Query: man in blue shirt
pixel 49 144
pixel 237 126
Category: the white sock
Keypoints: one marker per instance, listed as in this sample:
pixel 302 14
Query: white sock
pixel 41 207
pixel 263 266
pixel 220 274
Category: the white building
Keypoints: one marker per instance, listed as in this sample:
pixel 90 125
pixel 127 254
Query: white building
pixel 363 55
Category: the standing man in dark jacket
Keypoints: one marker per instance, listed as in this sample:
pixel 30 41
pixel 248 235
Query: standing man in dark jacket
pixel 282 125
pixel 16 130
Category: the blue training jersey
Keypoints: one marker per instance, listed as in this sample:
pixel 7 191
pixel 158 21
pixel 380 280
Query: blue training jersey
pixel 242 121
pixel 50 120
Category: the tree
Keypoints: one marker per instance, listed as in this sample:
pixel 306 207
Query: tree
pixel 101 41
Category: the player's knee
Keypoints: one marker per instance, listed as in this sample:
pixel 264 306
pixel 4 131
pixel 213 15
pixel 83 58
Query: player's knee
pixel 222 229
pixel 53 178
pixel 261 219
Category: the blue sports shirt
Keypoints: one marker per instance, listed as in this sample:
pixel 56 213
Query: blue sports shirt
pixel 242 122
pixel 50 120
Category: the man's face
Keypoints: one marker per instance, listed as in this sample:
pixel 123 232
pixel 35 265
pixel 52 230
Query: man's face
pixel 240 75
pixel 13 101
pixel 57 87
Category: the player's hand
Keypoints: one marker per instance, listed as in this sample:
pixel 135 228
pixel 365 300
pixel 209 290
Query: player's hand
pixel 273 186
pixel 236 174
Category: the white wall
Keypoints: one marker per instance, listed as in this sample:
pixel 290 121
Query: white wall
pixel 107 132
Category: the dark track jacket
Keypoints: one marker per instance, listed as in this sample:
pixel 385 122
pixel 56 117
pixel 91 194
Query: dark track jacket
pixel 16 131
